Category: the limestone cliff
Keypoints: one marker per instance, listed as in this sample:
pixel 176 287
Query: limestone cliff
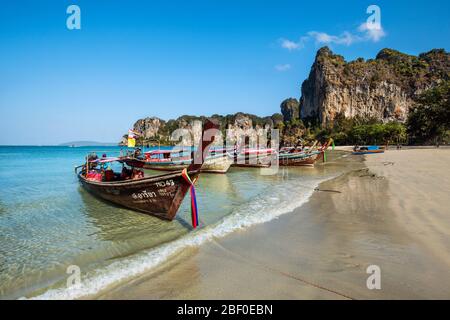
pixel 290 109
pixel 187 129
pixel 383 88
pixel 149 127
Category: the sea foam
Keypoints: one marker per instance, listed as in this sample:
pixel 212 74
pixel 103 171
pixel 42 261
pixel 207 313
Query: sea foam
pixel 269 205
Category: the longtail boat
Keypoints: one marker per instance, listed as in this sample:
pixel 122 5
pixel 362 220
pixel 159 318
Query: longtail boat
pixel 367 150
pixel 304 157
pixel 323 149
pixel 174 160
pixel 256 158
pixel 298 158
pixel 160 196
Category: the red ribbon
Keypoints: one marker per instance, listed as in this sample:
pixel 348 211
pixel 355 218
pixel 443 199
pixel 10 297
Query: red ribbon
pixel 194 209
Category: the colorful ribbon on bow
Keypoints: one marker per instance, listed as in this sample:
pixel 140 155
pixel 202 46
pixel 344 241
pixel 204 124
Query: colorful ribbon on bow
pixel 194 210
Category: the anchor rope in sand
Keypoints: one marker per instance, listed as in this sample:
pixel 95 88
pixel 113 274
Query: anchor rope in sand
pixel 303 280
pixel 327 190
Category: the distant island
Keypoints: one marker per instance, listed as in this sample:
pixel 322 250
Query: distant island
pixel 87 144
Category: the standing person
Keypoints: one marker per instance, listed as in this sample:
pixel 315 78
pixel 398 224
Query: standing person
pixel 137 153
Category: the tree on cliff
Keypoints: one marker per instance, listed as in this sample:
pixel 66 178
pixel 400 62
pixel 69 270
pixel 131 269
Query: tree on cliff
pixel 429 121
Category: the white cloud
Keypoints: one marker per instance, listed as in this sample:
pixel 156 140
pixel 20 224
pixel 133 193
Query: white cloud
pixel 321 37
pixel 345 38
pixel 373 31
pixel 365 32
pixel 290 45
pixel 282 67
pixel 293 45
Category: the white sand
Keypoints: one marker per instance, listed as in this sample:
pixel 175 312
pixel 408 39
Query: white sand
pixel 395 214
pixel 419 194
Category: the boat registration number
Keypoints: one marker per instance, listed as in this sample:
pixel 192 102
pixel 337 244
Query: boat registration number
pixel 167 183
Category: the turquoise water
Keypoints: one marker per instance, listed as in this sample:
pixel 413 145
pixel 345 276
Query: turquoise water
pixel 48 222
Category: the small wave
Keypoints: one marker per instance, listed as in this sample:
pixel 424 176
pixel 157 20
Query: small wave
pixel 280 199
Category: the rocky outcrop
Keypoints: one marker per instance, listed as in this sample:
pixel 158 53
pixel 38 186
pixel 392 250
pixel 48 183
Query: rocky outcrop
pixel 191 131
pixel 187 129
pixel 277 120
pixel 384 88
pixel 253 129
pixel 290 109
pixel 148 127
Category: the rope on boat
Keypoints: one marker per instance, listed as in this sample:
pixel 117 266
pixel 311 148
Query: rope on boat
pixel 286 274
pixel 194 209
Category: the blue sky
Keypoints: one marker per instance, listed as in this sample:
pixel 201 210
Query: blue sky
pixel 133 59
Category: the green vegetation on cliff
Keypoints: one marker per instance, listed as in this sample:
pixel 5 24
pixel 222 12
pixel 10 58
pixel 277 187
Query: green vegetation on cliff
pixel 429 120
pixel 393 98
pixel 358 130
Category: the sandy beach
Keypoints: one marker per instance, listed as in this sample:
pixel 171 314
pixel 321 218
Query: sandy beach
pixel 392 211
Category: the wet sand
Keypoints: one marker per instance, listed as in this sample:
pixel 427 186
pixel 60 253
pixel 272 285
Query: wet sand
pixel 393 213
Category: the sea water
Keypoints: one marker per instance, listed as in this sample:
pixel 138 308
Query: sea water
pixel 48 223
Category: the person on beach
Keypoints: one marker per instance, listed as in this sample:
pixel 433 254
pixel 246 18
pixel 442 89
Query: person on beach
pixel 137 153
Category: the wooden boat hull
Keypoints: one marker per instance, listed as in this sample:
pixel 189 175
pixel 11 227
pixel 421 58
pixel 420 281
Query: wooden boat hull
pixel 158 196
pixel 161 195
pixel 320 156
pixel 217 165
pixel 253 161
pixel 367 152
pixel 298 159
pixel 214 164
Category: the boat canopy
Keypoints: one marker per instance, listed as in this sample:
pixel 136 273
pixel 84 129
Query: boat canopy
pixel 105 160
pixel 151 152
pixel 258 151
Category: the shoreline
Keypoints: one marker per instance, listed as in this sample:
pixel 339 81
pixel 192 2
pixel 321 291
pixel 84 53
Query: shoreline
pixel 262 206
pixel 322 249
